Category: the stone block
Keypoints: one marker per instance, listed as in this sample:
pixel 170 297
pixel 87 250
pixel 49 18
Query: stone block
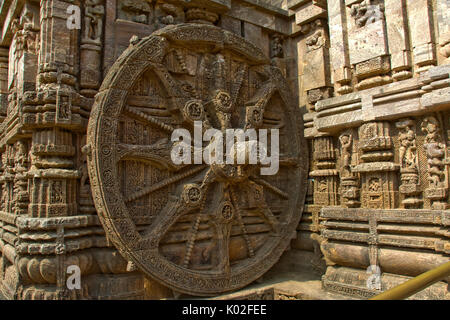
pixel 367 42
pixel 339 56
pixel 424 53
pixel 255 35
pixel 378 65
pixel 308 13
pixel 342 74
pixel 315 72
pixel 295 3
pixel 256 17
pixel 400 60
pixel 230 24
pixel 397 34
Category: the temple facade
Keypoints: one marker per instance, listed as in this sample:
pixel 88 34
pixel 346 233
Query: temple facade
pixel 92 93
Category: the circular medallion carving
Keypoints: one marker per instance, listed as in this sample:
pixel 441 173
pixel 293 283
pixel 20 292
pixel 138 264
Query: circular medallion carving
pixel 200 228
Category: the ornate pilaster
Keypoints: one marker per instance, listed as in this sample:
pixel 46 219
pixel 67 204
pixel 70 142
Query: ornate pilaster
pixel 409 174
pixel 436 166
pixel 324 173
pixel 339 53
pixel 420 20
pixel 378 172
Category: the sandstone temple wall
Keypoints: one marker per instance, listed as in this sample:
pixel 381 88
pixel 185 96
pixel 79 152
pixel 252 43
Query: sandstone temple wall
pixel 370 77
pixel 377 101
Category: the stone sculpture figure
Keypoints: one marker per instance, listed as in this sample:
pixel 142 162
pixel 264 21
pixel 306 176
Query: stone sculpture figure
pixel 346 143
pixel 276 50
pixel 317 39
pixel 366 13
pixel 435 151
pixel 407 151
pixel 93 15
pixel 21 157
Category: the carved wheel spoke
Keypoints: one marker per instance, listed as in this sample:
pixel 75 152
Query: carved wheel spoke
pixel 270 187
pixel 164 183
pixel 168 216
pixel 157 154
pixel 148 119
pixel 270 218
pixel 250 249
pixel 223 247
pixel 207 228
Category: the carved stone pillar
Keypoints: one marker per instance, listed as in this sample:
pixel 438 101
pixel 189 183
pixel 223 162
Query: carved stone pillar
pixel 409 174
pixel 53 184
pixel 59 47
pixel 398 39
pixel 339 53
pixel 378 172
pixel 52 169
pixel 324 173
pixel 53 117
pixel 437 167
pixel 20 192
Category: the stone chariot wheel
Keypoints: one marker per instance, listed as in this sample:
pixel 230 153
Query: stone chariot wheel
pixel 200 229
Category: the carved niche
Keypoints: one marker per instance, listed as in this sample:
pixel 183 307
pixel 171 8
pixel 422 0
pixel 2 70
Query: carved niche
pixel 325 173
pixel 202 229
